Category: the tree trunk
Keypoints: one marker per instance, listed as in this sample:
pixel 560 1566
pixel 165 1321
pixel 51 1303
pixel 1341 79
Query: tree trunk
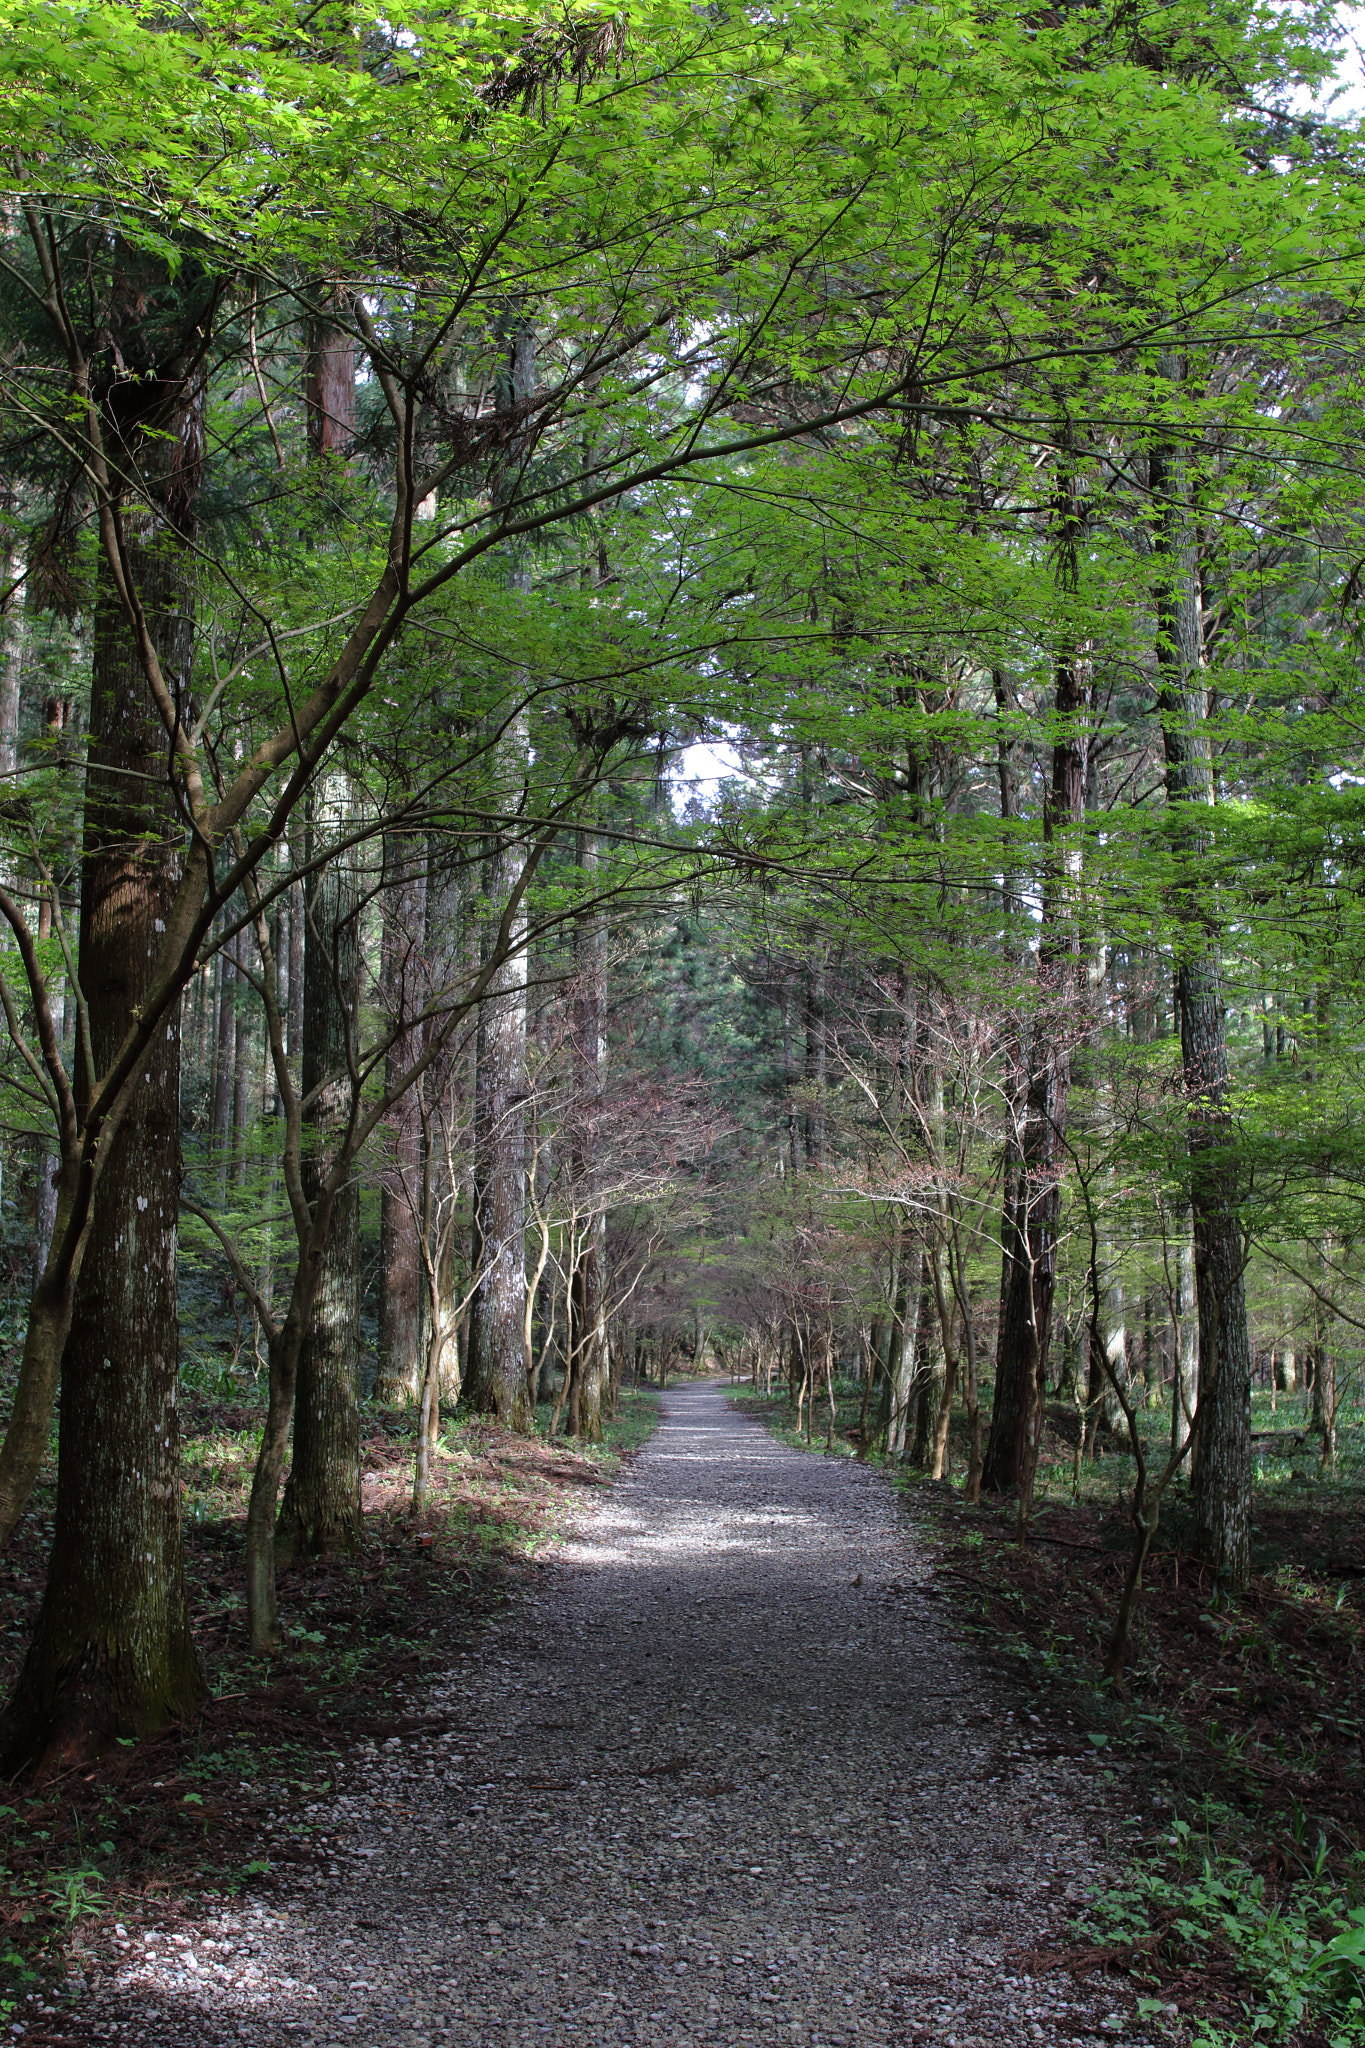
pixel 901 1355
pixel 224 1087
pixel 814 1007
pixel 1220 1482
pixel 496 1375
pixel 450 955
pixel 49 1167
pixel 13 585
pixel 587 1362
pixel 401 1352
pixel 298 932
pixel 789 1087
pixel 1114 1354
pixel 1185 1386
pixel 1325 1403
pixel 935 1369
pixel 587 1283
pixel 931 1365
pixel 320 1511
pixel 620 1346
pixel 112 1653
pixel 329 386
pixel 1032 1222
pixel 496 1359
pixel 244 1073
pixel 56 712
pixel 1033 1204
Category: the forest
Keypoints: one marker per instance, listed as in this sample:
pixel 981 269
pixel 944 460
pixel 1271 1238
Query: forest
pixel 681 696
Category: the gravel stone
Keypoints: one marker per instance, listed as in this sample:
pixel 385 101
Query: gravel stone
pixel 721 1777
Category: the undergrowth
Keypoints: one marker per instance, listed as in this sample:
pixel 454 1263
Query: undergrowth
pixel 1294 1953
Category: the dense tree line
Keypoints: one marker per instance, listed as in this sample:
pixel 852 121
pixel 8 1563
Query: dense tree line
pixel 418 435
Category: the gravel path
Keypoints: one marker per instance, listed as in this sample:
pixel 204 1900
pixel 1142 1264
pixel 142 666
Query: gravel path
pixel 718 1778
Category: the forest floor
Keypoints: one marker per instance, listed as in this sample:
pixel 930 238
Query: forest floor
pixel 721 1772
pixel 221 1804
pixel 1244 1718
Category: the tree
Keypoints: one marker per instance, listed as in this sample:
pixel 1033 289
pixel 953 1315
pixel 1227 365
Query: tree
pixel 321 1507
pixel 587 1362
pixel 869 221
pixel 112 1651
pixel 400 1366
pixel 1033 1217
pixel 1220 1491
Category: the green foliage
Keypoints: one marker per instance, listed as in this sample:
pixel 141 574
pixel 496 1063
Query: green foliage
pixel 1297 1951
pixel 17 1975
pixel 77 1894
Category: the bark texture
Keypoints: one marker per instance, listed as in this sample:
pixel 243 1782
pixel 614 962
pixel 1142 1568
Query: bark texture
pixel 495 1364
pixel 900 1347
pixel 813 1006
pixel 13 584
pixel 496 1361
pixel 223 1088
pixel 1033 1207
pixel 401 1351
pixel 1220 1479
pixel 320 1511
pixel 931 1365
pixel 1185 1390
pixel 588 1354
pixel 112 1653
pixel 1220 1483
pixel 329 386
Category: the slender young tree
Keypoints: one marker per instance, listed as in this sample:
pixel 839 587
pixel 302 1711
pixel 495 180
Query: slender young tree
pixel 320 1511
pixel 588 1360
pixel 402 1288
pixel 13 619
pixel 1220 1481
pixel 495 1369
pixel 224 1081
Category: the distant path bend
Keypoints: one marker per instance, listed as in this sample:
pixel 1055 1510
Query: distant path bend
pixel 705 1788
